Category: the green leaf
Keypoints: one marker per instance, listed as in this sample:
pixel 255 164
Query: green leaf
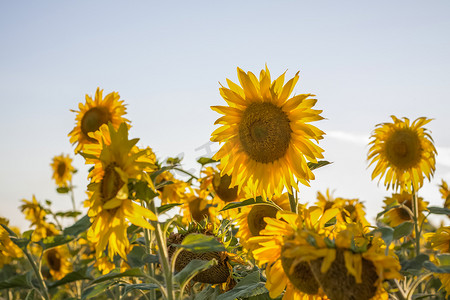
pixel 331 222
pixel 251 201
pixel 143 191
pixel 444 259
pixel 206 160
pixel 138 286
pixel 48 202
pixel 134 257
pixel 439 210
pixel 209 293
pixel 150 259
pixel 435 269
pixel 163 184
pixel 54 240
pixel 136 272
pixel 414 266
pixel 249 286
pixel 68 214
pixel 19 281
pixel 95 290
pixel 71 277
pixel 403 230
pixel 63 190
pixel 162 170
pixel 194 267
pixel 80 226
pixel 387 234
pixel 319 164
pixel 164 208
pixel 197 242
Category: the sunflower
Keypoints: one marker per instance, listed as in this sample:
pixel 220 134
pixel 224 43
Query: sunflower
pixel 93 114
pixel 62 170
pixel 344 265
pixel 440 240
pixel 219 187
pixel 398 215
pixel 171 193
pixel 197 206
pixel 8 249
pixel 36 214
pixel 58 261
pixel 252 219
pixel 110 203
pixel 352 209
pixel 266 135
pixel 445 193
pixel 404 153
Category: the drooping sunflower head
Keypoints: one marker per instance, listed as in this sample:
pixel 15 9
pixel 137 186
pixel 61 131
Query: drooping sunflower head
pixel 252 219
pixel 62 170
pixel 93 114
pixel 115 162
pixel 58 261
pixel 404 153
pixel 398 215
pixel 266 134
pixel 8 250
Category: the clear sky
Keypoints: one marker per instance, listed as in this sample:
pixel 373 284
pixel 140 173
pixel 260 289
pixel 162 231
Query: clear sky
pixel 365 60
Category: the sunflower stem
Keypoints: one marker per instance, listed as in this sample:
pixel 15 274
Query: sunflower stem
pixel 72 197
pixel 293 201
pixel 416 220
pixel 164 255
pixel 43 286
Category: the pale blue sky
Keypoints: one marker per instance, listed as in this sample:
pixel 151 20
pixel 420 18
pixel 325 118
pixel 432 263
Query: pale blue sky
pixel 365 60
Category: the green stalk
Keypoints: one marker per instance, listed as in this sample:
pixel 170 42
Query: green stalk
pixel 415 208
pixel 39 277
pixel 164 255
pixel 293 201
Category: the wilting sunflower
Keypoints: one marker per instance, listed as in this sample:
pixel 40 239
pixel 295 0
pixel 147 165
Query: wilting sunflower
pixel 398 215
pixel 58 261
pixel 8 249
pixel 404 153
pixel 252 219
pixel 36 214
pixel 266 135
pixel 95 113
pixel 62 170
pixel 445 193
pixel 110 202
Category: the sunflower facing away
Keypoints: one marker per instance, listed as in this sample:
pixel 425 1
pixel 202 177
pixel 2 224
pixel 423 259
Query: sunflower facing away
pixel 94 113
pixel 62 170
pixel 404 153
pixel 266 135
pixel 398 215
pixel 118 160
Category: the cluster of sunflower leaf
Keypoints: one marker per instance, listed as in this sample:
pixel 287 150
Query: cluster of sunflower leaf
pixel 238 229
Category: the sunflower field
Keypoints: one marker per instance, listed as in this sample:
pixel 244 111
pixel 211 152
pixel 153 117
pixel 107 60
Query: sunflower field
pixel 239 229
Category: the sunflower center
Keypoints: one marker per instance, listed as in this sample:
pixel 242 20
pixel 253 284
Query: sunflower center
pixel 403 213
pixel 255 218
pixel 300 275
pixel 222 189
pixel 54 260
pixel 197 213
pixel 111 183
pixel 61 170
pixel 93 119
pixel 403 149
pixel 264 132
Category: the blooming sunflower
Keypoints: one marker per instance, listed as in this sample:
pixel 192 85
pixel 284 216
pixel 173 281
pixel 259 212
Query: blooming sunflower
pixel 58 261
pixel 62 170
pixel 398 215
pixel 110 203
pixel 8 249
pixel 93 114
pixel 445 193
pixel 266 135
pixel 171 193
pixel 404 153
pixel 440 240
pixel 197 206
pixel 252 219
pixel 36 214
pixel 352 209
